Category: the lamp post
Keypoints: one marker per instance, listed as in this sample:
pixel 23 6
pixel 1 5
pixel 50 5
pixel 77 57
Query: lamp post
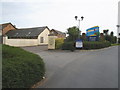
pixel 76 18
pixel 118 26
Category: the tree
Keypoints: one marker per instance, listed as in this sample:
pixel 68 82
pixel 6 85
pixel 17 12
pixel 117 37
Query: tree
pixel 69 43
pixel 119 40
pixel 112 34
pixel 109 37
pixel 106 36
pixel 83 37
pixel 73 33
pixel 102 38
pixel 106 31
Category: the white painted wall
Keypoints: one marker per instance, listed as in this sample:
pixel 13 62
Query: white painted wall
pixel 44 34
pixel 20 42
pixel 27 42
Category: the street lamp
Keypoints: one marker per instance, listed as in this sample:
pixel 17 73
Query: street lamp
pixel 76 18
pixel 118 26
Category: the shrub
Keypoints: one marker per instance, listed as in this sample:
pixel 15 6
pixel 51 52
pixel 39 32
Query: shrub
pixel 58 43
pixel 68 46
pixel 119 40
pixel 20 69
pixel 95 45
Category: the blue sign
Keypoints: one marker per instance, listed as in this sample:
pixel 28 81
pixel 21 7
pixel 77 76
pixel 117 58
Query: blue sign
pixel 93 38
pixel 94 31
pixel 79 43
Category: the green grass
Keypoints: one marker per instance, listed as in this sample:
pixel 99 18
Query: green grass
pixel 115 44
pixel 20 69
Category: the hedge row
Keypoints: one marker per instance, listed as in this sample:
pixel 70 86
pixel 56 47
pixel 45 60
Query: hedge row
pixel 20 69
pixel 69 46
pixel 86 45
pixel 95 45
pixel 58 43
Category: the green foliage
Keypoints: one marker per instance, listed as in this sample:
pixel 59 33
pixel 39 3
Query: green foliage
pixel 115 44
pixel 68 46
pixel 101 39
pixel 118 40
pixel 20 69
pixel 73 33
pixel 95 45
pixel 83 37
pixel 112 33
pixel 59 42
pixel 106 31
pixel 111 39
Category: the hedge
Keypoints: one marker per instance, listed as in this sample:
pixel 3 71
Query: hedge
pixel 118 40
pixel 95 45
pixel 58 43
pixel 69 46
pixel 20 69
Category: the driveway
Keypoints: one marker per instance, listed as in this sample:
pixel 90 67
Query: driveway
pixel 80 69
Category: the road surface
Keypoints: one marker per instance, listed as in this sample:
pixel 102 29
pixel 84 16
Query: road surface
pixel 80 69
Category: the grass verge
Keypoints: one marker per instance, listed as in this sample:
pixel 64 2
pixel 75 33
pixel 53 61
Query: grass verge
pixel 20 69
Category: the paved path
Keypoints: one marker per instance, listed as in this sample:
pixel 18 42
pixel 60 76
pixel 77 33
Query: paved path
pixel 80 69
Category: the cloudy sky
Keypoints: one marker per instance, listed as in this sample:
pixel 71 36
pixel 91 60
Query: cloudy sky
pixel 59 14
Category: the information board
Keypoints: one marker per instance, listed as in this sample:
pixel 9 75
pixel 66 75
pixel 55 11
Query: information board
pixel 94 31
pixel 79 43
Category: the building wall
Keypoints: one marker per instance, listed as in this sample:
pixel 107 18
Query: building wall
pixel 27 42
pixel 61 35
pixel 7 28
pixel 44 34
pixel 20 42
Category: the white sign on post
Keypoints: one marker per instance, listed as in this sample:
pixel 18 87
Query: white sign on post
pixel 79 43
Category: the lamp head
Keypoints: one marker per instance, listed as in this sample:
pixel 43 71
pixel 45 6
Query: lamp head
pixel 76 17
pixel 82 17
pixel 118 26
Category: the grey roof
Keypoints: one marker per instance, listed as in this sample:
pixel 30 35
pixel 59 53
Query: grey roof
pixel 26 32
pixel 59 32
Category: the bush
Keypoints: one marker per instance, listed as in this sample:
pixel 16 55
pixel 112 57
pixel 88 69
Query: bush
pixel 20 69
pixel 119 40
pixel 58 43
pixel 95 45
pixel 68 46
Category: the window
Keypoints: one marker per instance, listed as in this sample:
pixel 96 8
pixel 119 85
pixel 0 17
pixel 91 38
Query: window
pixel 119 34
pixel 52 32
pixel 41 39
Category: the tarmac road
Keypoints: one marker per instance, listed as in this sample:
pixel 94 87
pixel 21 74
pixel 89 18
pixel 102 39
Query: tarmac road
pixel 80 69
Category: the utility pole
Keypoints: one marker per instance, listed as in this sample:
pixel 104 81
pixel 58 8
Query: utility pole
pixel 118 26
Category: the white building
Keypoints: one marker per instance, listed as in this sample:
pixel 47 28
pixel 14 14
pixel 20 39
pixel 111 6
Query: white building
pixel 27 37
